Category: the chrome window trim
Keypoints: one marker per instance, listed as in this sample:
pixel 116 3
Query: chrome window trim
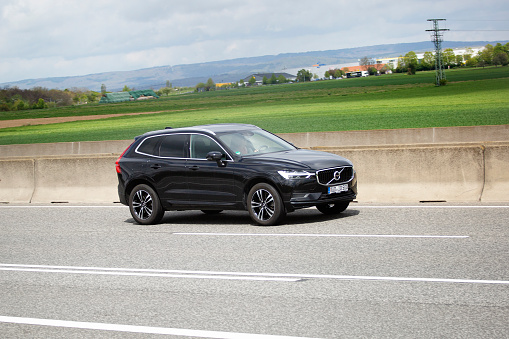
pixel 214 140
pixel 230 158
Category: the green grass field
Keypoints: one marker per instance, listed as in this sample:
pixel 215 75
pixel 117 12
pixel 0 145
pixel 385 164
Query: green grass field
pixel 472 97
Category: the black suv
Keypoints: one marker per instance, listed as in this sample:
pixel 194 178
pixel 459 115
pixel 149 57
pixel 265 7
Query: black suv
pixel 229 167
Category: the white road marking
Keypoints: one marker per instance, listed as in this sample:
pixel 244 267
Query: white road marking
pixel 352 206
pixel 326 235
pixel 139 329
pixel 148 273
pixel 289 277
pixel 427 206
pixel 63 205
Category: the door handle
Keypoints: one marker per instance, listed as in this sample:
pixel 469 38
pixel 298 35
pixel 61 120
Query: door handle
pixel 155 166
pixel 194 168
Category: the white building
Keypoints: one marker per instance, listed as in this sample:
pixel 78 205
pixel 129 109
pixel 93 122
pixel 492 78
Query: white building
pixel 393 61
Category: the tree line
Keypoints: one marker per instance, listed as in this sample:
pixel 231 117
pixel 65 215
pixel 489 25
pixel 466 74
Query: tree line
pixel 16 99
pixel 490 55
pixel 210 85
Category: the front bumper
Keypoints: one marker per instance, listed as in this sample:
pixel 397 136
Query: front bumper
pixel 314 199
pixel 307 196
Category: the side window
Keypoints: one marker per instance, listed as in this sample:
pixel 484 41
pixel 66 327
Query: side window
pixel 149 146
pixel 174 146
pixel 201 145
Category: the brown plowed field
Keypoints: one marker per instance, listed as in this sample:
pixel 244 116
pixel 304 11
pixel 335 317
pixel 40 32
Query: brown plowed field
pixel 45 121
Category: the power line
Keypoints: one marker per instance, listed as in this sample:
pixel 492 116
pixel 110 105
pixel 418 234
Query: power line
pixel 480 20
pixel 479 30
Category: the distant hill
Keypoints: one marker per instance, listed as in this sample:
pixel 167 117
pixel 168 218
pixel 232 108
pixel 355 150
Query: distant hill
pixel 231 70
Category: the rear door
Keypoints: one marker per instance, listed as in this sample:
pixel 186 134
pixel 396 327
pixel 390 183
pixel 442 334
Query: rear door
pixel 168 169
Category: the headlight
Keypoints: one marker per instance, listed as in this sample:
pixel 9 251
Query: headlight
pixel 289 175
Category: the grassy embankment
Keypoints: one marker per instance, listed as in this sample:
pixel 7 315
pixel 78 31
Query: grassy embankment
pixel 472 97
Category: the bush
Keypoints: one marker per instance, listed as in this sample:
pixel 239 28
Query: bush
pixel 4 107
pixel 501 59
pixel 40 104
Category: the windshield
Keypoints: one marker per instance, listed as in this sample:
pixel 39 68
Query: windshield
pixel 252 142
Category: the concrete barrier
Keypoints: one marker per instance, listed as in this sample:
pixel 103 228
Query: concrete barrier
pixel 436 135
pixel 497 173
pixel 453 173
pixel 75 179
pixel 418 173
pixel 406 136
pixel 16 180
pixel 64 148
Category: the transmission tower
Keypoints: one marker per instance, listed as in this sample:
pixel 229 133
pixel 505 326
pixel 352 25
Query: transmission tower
pixel 436 36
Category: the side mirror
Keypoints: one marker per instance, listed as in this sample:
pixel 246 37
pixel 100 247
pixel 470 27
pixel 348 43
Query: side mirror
pixel 217 157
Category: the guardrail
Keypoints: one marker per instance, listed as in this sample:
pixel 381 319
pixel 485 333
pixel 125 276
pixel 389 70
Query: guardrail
pixel 406 173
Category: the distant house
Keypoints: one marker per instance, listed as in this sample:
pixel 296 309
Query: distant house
pixel 144 94
pixel 259 77
pixel 363 67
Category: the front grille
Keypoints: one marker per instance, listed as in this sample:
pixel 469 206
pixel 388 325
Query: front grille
pixel 334 176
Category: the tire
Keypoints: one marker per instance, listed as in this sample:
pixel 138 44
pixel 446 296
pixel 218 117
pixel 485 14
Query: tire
pixel 265 205
pixel 145 206
pixel 334 208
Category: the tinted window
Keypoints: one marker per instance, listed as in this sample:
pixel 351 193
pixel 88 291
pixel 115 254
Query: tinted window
pixel 174 146
pixel 251 142
pixel 201 145
pixel 148 146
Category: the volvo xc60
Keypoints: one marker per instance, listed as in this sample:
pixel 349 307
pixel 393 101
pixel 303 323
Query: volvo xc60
pixel 229 167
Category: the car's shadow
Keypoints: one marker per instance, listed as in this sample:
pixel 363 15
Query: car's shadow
pixel 304 216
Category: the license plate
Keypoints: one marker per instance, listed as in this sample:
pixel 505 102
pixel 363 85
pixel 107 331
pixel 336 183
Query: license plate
pixel 338 189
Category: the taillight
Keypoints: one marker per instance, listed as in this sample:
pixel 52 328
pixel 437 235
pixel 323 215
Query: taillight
pixel 117 165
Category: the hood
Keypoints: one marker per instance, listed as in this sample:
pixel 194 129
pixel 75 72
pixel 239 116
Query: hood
pixel 301 158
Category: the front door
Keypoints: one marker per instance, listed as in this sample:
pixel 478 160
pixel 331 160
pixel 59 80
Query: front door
pixel 209 185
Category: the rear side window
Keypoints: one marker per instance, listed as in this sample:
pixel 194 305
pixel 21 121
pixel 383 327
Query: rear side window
pixel 174 146
pixel 168 146
pixel 149 146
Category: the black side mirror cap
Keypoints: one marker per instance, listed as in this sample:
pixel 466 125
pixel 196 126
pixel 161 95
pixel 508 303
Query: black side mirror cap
pixel 217 157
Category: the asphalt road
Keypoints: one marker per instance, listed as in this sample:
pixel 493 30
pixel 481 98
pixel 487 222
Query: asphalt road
pixel 427 271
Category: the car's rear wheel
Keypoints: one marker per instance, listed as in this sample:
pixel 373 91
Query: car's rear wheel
pixel 333 208
pixel 265 205
pixel 145 206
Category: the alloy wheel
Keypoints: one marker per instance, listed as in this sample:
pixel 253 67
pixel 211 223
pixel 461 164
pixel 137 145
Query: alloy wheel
pixel 142 204
pixel 262 204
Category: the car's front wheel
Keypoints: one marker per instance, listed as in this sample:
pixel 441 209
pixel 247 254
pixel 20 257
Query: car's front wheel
pixel 145 206
pixel 265 205
pixel 333 208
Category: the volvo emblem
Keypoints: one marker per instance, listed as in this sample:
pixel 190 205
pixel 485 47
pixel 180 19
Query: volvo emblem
pixel 337 175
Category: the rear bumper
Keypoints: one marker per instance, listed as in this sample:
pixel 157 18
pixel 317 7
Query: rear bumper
pixel 121 193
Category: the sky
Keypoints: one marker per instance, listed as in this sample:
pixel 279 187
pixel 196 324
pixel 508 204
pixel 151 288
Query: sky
pixel 56 38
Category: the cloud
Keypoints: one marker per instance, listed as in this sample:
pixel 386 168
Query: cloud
pixel 45 38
